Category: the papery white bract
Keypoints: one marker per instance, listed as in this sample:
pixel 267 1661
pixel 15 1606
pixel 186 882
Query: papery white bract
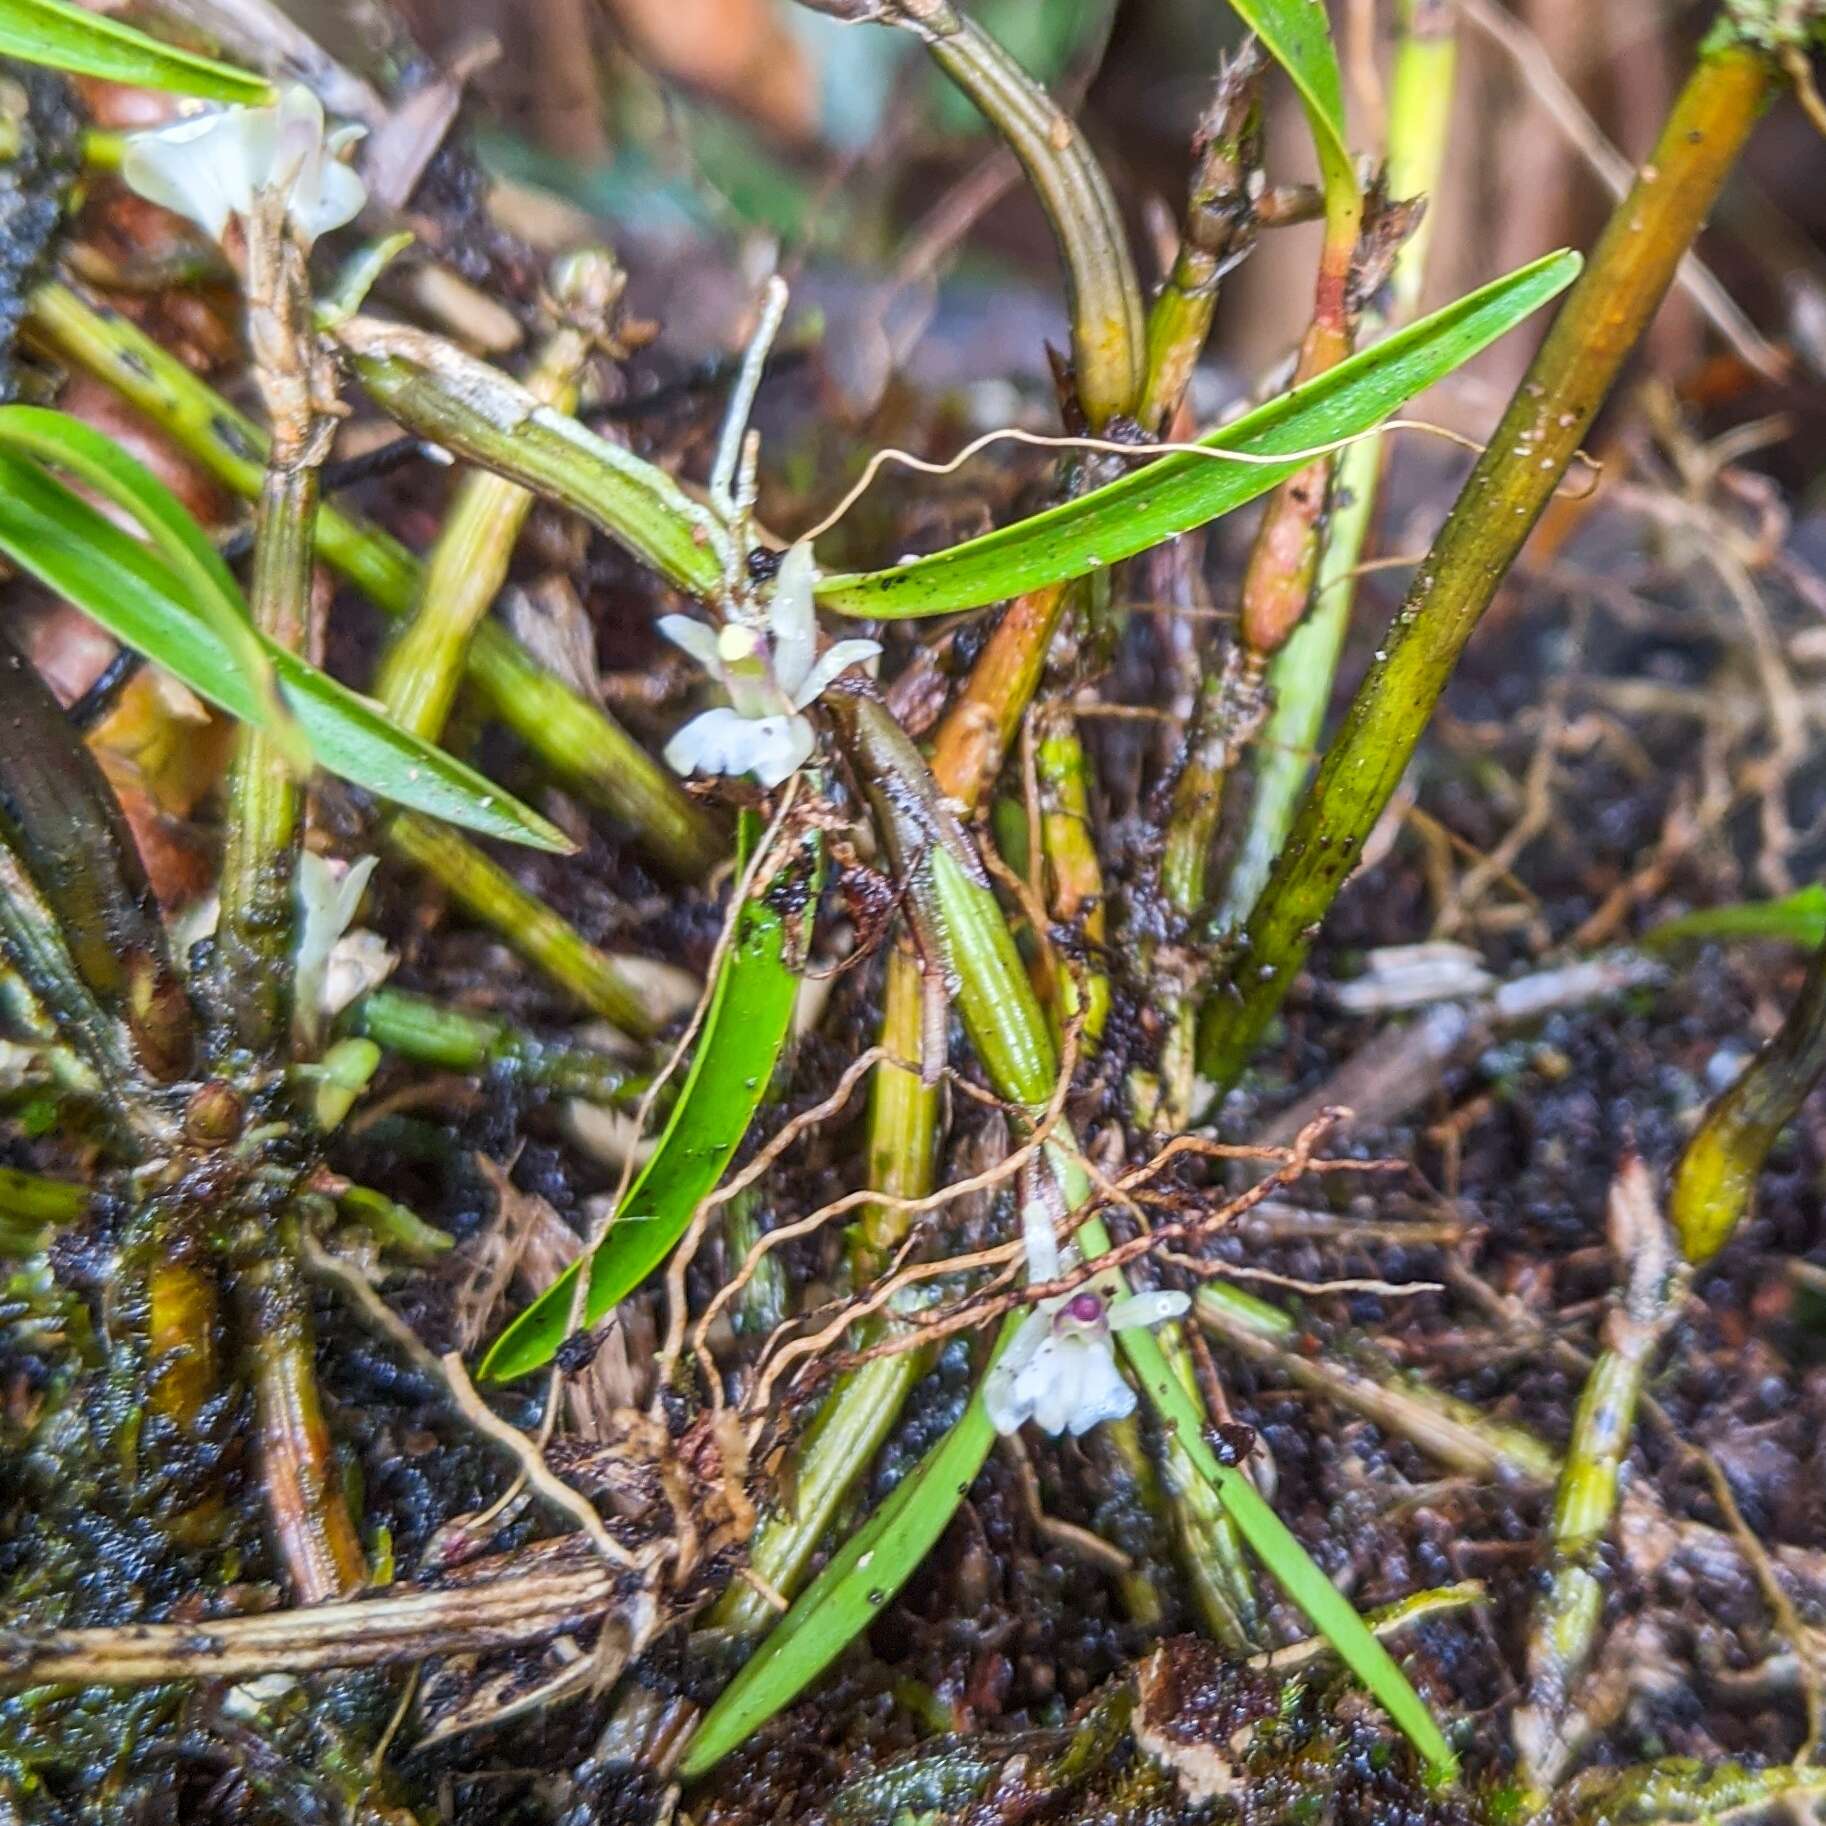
pixel 1059 1369
pixel 771 673
pixel 212 166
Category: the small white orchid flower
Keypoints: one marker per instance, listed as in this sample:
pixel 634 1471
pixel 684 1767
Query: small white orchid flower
pixel 771 675
pixel 1059 1369
pixel 212 166
pixel 332 965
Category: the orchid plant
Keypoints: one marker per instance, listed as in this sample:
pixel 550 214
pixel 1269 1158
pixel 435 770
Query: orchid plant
pixel 1059 1369
pixel 773 673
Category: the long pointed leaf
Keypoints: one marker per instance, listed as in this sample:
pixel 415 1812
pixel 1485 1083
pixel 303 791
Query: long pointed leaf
pixel 133 593
pixel 750 1012
pixel 71 38
pixel 1180 492
pixel 67 443
pixel 867 1570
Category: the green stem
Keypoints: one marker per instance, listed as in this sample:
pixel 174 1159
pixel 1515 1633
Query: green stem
pixel 59 817
pixel 1075 876
pixel 1601 321
pixel 420 675
pixel 1300 675
pixel 1108 326
pixel 32 942
pixel 549 942
pixel 485 416
pixel 250 972
pixel 428 1033
pixel 580 743
pixel 1714 1184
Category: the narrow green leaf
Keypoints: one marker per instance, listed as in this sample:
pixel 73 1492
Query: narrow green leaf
pixel 1326 1608
pixel 67 443
pixel 1297 35
pixel 860 1577
pixel 1180 492
pixel 750 1013
pixel 71 38
pixel 1798 918
pixel 132 592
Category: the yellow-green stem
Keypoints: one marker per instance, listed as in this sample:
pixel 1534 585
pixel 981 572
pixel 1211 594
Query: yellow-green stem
pixel 1714 1184
pixel 549 942
pixel 1300 674
pixel 250 976
pixel 423 669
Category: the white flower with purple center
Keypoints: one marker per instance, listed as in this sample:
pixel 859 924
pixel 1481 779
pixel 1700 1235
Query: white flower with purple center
pixel 212 166
pixel 771 673
pixel 1059 1369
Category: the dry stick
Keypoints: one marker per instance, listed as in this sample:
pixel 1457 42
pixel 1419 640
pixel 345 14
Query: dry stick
pixel 546 1591
pixel 1565 1621
pixel 1604 316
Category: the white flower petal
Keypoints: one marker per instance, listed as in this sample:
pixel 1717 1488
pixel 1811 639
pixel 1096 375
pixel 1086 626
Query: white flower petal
pixel 793 623
pixel 781 745
pixel 197 167
pixel 697 640
pixel 835 661
pixel 327 899
pixel 297 136
pixel 211 167
pixel 359 961
pixel 713 743
pixel 1147 1309
pixel 1054 1382
pixel 1008 1389
pixel 1102 1394
pixel 337 196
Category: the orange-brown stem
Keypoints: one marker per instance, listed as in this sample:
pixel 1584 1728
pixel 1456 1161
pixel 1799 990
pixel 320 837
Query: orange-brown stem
pixel 312 1530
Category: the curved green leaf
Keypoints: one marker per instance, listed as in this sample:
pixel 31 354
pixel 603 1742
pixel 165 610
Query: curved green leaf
pixel 1304 1581
pixel 71 38
pixel 68 444
pixel 1297 35
pixel 860 1577
pixel 1180 492
pixel 132 592
pixel 750 1013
